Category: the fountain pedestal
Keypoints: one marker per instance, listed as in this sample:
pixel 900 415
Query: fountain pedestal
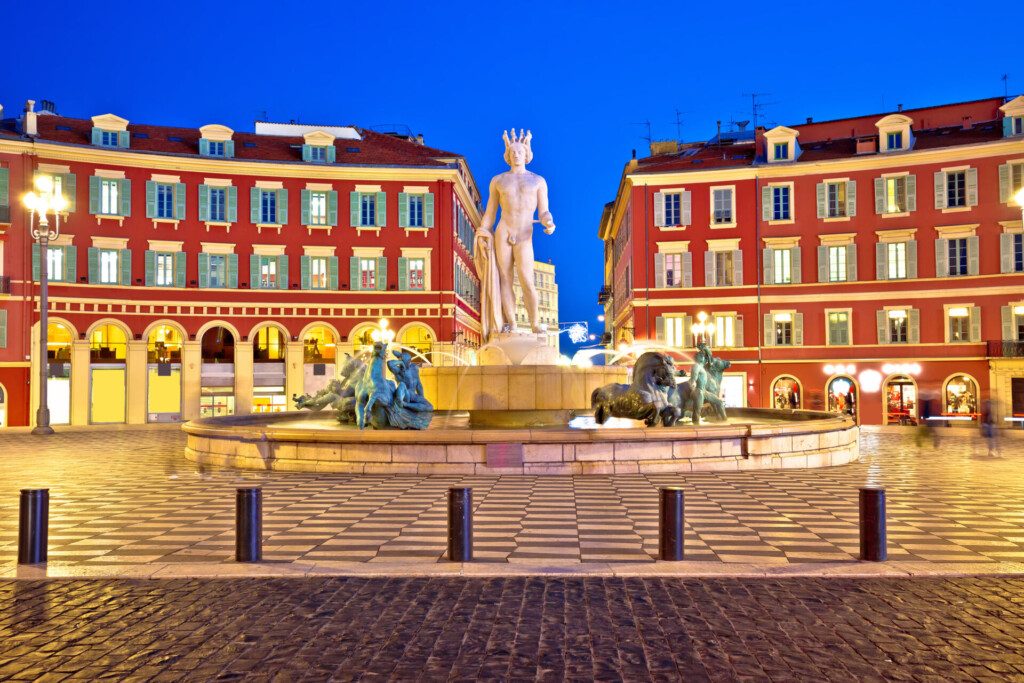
pixel 518 348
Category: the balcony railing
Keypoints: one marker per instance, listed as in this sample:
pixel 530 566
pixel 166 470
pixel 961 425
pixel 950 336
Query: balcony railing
pixel 1005 349
pixel 5 284
pixel 603 295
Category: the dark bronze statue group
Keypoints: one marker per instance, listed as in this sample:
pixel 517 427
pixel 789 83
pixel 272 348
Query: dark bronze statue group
pixel 657 396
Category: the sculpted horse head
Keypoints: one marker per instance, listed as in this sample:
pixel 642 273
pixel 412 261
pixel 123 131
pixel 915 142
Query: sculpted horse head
pixel 654 369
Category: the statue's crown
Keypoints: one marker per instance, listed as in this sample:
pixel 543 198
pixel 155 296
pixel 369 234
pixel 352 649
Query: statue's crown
pixel 523 138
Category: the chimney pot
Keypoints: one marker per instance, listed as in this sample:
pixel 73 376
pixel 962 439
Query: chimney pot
pixel 30 105
pixel 810 119
pixel 967 123
pixel 29 125
pixel 899 107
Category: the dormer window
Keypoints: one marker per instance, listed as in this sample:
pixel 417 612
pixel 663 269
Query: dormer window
pixel 216 141
pixel 894 133
pixel 781 144
pixel 318 147
pixel 1013 117
pixel 109 130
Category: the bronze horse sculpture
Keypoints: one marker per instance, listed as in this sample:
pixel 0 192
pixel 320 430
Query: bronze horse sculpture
pixel 645 398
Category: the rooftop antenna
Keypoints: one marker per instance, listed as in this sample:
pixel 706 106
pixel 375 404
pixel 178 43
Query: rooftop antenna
pixel 1006 87
pixel 756 107
pixel 648 124
pixel 679 124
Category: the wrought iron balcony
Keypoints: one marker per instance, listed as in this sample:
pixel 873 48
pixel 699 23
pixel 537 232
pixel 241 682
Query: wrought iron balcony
pixel 1005 349
pixel 604 295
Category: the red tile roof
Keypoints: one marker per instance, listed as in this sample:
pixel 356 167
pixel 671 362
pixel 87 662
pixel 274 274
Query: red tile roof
pixel 375 149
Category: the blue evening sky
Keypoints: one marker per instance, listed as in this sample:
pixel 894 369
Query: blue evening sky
pixel 581 75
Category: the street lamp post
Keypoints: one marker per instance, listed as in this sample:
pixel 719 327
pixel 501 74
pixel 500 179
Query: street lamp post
pixel 703 329
pixel 40 203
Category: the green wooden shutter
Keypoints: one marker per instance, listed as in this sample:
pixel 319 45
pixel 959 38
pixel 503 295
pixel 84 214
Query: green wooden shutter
pixel 822 264
pixel 5 187
pixel 3 329
pixel 123 139
pixel 233 271
pixel 940 189
pixel 769 265
pixel 881 261
pixel 1006 315
pixel 332 153
pixel 914 326
pixel 354 213
pixel 307 152
pixel 798 329
pixel 911 192
pixel 796 265
pixel 1006 252
pixel 97 136
pixel 403 273
pixel 332 272
pixel 229 149
pixel 685 207
pixel 179 269
pixel 659 209
pixel 125 196
pixel 941 258
pixel 821 194
pixel 179 201
pixel 94 265
pixel 912 259
pixel 282 271
pixel 282 206
pixel 125 265
pixel 973 255
pixel 254 272
pixel 254 205
pixel 150 268
pixel 305 207
pixel 94 195
pixel 70 187
pixel 972 187
pixel 428 210
pixel 204 147
pixel 332 208
pixel 382 273
pixel 150 199
pixel 975 323
pixel 70 264
pixel 204 270
pixel 879 195
pixel 232 215
pixel 382 209
pixel 403 210
pixel 204 203
pixel 35 262
pixel 769 330
pixel 304 271
pixel 851 198
pixel 881 323
pixel 851 263
pixel 766 203
pixel 353 273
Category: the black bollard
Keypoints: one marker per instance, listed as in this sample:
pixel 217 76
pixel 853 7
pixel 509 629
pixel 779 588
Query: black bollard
pixel 249 525
pixel 872 524
pixel 670 523
pixel 33 523
pixel 460 524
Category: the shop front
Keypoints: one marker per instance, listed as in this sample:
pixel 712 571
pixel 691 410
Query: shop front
pixel 960 397
pixel 217 373
pixel 319 358
pixel 163 374
pixel 268 370
pixel 842 396
pixel 901 400
pixel 58 375
pixel 787 393
pixel 108 374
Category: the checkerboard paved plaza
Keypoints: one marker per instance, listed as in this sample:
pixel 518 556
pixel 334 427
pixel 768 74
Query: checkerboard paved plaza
pixel 130 496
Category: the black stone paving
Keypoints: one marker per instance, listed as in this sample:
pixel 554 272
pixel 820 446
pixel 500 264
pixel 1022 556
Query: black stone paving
pixel 427 629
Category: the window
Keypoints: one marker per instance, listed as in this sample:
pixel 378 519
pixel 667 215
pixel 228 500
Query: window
pixel 836 199
pixel 1015 125
pixel 838 328
pixel 318 272
pixel 677 331
pixel 415 278
pixel 895 194
pixel 218 197
pixel 959 321
pixel 782 266
pixel 780 203
pixel 268 272
pixel 894 140
pixel 109 197
pixel 55 263
pixel 724 268
pixel 837 264
pixel 164 269
pixel 725 330
pixel 318 208
pixel 722 205
pixel 215 149
pixel 218 274
pixel 1017 324
pixel 109 138
pixel 1017 253
pixel 368 209
pixel 318 154
pixel 783 329
pixel 781 151
pixel 673 270
pixel 367 273
pixel 896 260
pixel 673 208
pixel 164 201
pixel 956 188
pixel 1015 178
pixel 958 256
pixel 897 326
pixel 268 206
pixel 415 211
pixel 108 263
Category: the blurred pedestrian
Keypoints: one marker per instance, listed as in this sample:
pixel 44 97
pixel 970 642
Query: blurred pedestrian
pixel 987 425
pixel 925 428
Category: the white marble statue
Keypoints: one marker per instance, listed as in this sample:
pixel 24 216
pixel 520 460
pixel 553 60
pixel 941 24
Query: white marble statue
pixel 508 249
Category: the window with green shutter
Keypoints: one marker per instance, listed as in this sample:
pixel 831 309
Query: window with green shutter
pixel 110 196
pixel 165 200
pixel 368 209
pixel 110 138
pixel 63 184
pixel 3 329
pixel 61 263
pixel 319 207
pixel 5 195
pixel 105 266
pixel 224 149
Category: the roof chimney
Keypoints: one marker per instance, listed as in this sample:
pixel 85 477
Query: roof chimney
pixel 899 107
pixel 810 119
pixel 760 153
pixel 967 123
pixel 28 121
pixel 47 107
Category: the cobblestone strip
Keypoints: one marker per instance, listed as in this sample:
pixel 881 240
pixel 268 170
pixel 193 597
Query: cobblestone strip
pixel 531 628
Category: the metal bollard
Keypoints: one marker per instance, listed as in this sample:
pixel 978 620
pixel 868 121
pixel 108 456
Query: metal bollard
pixel 33 523
pixel 460 524
pixel 249 525
pixel 670 523
pixel 872 524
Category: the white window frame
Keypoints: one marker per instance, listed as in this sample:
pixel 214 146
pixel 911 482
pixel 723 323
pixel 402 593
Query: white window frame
pixel 888 323
pixel 318 200
pixel 110 197
pixel 947 314
pixel 676 326
pixel 109 263
pixel 725 323
pixel 902 177
pixel 732 206
pixel 782 260
pixel 163 269
pixel 892 273
pixel 790 203
pixel 837 266
pixel 792 327
pixel 849 326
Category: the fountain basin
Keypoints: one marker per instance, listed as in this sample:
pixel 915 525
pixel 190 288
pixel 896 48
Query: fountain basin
pixel 542 442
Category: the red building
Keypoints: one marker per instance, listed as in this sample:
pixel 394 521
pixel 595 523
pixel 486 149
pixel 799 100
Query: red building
pixel 204 271
pixel 872 265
